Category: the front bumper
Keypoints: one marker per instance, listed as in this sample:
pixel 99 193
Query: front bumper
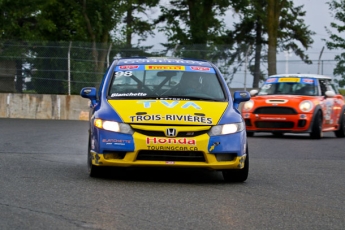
pixel 139 150
pixel 296 123
pixel 130 161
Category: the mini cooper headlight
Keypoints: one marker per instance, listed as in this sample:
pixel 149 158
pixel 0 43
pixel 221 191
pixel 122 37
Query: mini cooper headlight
pixel 248 105
pixel 306 106
pixel 226 129
pixel 113 126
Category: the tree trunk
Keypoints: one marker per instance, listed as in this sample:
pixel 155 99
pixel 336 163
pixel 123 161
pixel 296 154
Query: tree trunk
pixel 258 48
pixel 273 11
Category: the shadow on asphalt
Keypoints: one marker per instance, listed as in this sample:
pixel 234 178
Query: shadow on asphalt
pixel 164 175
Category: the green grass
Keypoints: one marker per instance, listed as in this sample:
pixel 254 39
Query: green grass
pixel 342 92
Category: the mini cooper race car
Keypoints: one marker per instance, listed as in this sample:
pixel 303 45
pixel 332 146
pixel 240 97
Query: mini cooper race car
pixel 168 112
pixel 295 103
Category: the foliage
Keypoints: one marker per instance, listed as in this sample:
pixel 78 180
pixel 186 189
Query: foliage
pixel 253 32
pixel 342 92
pixel 337 41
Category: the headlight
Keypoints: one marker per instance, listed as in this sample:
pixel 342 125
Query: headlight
pixel 113 126
pixel 226 129
pixel 248 105
pixel 306 106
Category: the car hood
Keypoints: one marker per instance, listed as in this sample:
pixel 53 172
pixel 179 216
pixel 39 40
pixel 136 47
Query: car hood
pixel 169 111
pixel 281 99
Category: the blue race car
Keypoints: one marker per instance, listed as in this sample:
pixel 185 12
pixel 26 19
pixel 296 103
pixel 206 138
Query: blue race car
pixel 170 112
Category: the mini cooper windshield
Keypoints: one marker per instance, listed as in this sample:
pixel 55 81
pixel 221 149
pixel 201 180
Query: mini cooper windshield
pixel 290 86
pixel 140 82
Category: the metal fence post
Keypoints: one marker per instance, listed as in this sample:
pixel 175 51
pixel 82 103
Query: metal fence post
pixel 69 68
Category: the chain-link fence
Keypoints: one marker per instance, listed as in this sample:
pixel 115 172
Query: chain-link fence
pixel 66 67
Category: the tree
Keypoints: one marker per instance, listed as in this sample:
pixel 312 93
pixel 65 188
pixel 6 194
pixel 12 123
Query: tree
pixel 20 23
pixel 134 23
pixel 193 23
pixel 336 41
pixel 270 27
pixel 285 25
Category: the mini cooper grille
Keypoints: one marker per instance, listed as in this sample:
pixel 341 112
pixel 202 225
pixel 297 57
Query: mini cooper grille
pixel 275 110
pixel 190 156
pixel 162 134
pixel 275 124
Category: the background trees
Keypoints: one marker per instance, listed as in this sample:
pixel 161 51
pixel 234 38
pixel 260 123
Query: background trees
pixel 336 40
pixel 193 28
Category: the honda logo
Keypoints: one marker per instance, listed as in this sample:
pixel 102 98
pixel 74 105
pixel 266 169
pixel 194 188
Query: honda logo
pixel 170 132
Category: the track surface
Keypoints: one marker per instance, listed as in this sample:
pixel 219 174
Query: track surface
pixel 294 183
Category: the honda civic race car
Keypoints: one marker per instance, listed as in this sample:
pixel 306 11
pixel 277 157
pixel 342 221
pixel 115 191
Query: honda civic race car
pixel 295 103
pixel 170 112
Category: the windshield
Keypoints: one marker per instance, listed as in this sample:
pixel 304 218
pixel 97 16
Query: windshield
pixel 168 82
pixel 290 86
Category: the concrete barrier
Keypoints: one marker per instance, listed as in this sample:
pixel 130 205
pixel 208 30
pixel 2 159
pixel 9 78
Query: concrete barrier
pixel 44 106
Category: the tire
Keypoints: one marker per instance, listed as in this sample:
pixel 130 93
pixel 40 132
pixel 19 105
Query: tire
pixel 316 131
pixel 341 131
pixel 237 175
pixel 93 170
pixel 278 134
pixel 250 134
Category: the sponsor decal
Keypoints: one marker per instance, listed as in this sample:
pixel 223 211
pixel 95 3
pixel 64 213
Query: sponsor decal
pixel 128 94
pixel 116 141
pixel 164 67
pixel 125 67
pixel 308 80
pixel 171 117
pixel 200 68
pixel 184 105
pixel 172 148
pixel 271 80
pixel 273 118
pixel 161 60
pixel 213 146
pixel 243 94
pixel 289 79
pixel 164 141
pixel 87 91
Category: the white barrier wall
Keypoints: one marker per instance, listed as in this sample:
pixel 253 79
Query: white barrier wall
pixel 43 106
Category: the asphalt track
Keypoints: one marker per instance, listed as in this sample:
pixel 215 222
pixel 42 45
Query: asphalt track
pixel 294 183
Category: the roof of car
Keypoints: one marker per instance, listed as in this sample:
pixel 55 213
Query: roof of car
pixel 162 61
pixel 302 75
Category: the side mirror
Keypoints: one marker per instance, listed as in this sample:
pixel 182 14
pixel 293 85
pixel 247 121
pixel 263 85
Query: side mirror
pixel 253 92
pixel 330 94
pixel 240 96
pixel 90 93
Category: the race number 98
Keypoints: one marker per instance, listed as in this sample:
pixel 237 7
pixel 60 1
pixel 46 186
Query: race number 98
pixel 123 73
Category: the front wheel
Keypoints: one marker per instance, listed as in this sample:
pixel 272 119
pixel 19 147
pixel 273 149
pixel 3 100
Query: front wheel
pixel 93 170
pixel 316 131
pixel 341 131
pixel 237 175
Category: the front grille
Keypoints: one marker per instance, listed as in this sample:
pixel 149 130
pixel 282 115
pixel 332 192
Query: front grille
pixel 302 123
pixel 275 110
pixel 248 122
pixel 162 134
pixel 190 156
pixel 274 124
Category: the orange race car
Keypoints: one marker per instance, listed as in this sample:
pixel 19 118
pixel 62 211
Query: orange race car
pixel 295 103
